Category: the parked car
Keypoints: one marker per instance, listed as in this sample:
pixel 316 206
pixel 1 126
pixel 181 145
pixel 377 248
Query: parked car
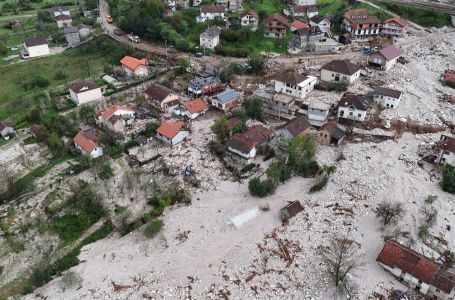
pixel 118 32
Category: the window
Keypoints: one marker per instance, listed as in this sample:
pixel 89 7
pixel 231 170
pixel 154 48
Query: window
pixel 341 113
pixel 359 115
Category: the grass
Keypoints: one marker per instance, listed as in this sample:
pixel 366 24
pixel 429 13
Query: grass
pixel 330 7
pixel 153 227
pixel 421 16
pixel 259 43
pixel 268 6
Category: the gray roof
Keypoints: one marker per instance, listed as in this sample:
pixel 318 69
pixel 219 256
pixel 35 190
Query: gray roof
pixel 212 31
pixel 60 8
pixel 385 92
pixel 390 52
pixel 262 94
pixel 202 81
pixel 227 96
pixel 35 41
pixel 71 29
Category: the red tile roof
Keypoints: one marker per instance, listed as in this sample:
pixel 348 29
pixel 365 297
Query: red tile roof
pixel 252 137
pixel 195 106
pixel 397 19
pixel 132 63
pixel 298 24
pixel 395 255
pixel 170 129
pixel 390 52
pixel 276 17
pixel 113 109
pixel 249 12
pixel 86 140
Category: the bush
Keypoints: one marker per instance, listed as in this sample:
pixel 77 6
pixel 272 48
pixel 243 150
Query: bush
pixel 448 179
pixel 278 172
pixel 339 87
pixel 424 231
pixel 153 228
pixel 431 199
pixel 320 184
pixel 106 171
pixel 216 148
pixel 247 168
pixel 264 207
pixel 260 188
pixel 233 52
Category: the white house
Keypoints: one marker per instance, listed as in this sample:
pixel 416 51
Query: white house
pixel 35 47
pixel 304 2
pixel 61 10
pixel 447 153
pixel 85 91
pixel 210 12
pixel 323 22
pixel 134 67
pixel 63 21
pixel 6 130
pixel 294 84
pixel 116 118
pixel 210 38
pixel 193 108
pixel 172 132
pixel 418 271
pixel 307 11
pixel 385 97
pixel 384 58
pixel 340 70
pixel 249 18
pixel 162 97
pixel 353 107
pixel 87 142
pixel 318 111
pixel 246 144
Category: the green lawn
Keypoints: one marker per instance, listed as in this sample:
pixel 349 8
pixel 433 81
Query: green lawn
pixel 258 43
pixel 268 6
pixel 331 7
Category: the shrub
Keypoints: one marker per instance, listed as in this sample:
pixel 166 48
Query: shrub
pixel 260 188
pixel 264 207
pixel 278 172
pixel 389 212
pixel 424 231
pixel 234 52
pixel 247 168
pixel 106 171
pixel 153 228
pixel 431 199
pixel 216 148
pixel 320 184
pixel 448 179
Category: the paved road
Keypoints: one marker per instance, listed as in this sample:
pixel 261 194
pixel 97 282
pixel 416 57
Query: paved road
pixel 109 30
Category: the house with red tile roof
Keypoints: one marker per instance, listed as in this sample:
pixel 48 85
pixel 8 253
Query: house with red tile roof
pixel 296 24
pixel 396 26
pixel 360 24
pixel 246 144
pixel 418 271
pixel 172 132
pixel 87 143
pixel 275 26
pixel 134 67
pixel 116 118
pixel 384 58
pixel 193 108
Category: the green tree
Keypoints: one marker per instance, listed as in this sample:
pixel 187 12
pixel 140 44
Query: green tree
pixel 184 27
pixel 55 143
pixel 278 172
pixel 448 179
pixel 257 64
pixel 253 108
pixel 183 65
pixel 105 171
pixel 150 128
pixel 260 188
pixel 87 114
pixel 302 147
pixel 221 129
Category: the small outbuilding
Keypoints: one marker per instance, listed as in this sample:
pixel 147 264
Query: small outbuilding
pixel 290 210
pixel 85 91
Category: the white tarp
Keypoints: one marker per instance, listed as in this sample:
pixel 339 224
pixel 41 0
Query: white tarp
pixel 244 217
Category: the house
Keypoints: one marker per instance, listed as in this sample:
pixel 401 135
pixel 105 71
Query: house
pixel 446 154
pixel 171 132
pixel 85 91
pixel 275 26
pixel 87 143
pixel 162 97
pixel 360 24
pixel 61 10
pixel 247 143
pixel 182 4
pixel 280 103
pixel 294 128
pixel 226 100
pixel 330 134
pixel 71 35
pixel 210 12
pixel 134 67
pixel 295 25
pixel 395 27
pixel 204 86
pixel 35 47
pixel 6 130
pixel 213 66
pixel 324 45
pixel 307 11
pixel 249 18
pixel 63 21
pixel 340 70
pixel 305 2
pixel 384 58
pixel 318 111
pixel 210 38
pixel 290 210
pixel 294 84
pixel 230 5
pixel 386 97
pixel 306 37
pixel 323 22
pixel 116 118
pixel 84 30
pixel 353 107
pixel 418 271
pixel 193 108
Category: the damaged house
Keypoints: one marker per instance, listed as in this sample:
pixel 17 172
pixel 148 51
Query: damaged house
pixel 330 134
pixel 385 97
pixel 306 37
pixel 246 144
pixel 161 97
pixel 294 84
pixel 172 132
pixel 384 58
pixel 446 153
pixel 116 118
pixel 353 107
pixel 192 109
pixel 204 86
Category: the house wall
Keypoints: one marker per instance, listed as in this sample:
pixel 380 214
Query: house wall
pixel 209 41
pixel 72 38
pixel 84 32
pixel 441 295
pixel 226 106
pixel 249 20
pixel 139 71
pixel 277 105
pixel 446 157
pixel 169 103
pixel 97 152
pixel 317 114
pixel 408 278
pixel 180 137
pixel 300 91
pixel 329 76
pixel 87 96
pixel 63 23
pixel 39 50
pixel 323 137
pixel 389 64
pixel 351 113
pixel 386 101
pixel 249 155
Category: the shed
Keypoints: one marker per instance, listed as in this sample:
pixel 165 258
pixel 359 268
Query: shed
pixel 290 210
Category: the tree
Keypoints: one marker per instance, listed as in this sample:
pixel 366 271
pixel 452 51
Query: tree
pixel 184 27
pixel 257 64
pixel 150 128
pixel 105 171
pixel 430 214
pixel 253 108
pixel 183 65
pixel 389 212
pixel 87 114
pixel 302 147
pixel 342 259
pixel 44 16
pixel 260 188
pixel 278 172
pixel 221 129
pixel 448 179
pixel 55 143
